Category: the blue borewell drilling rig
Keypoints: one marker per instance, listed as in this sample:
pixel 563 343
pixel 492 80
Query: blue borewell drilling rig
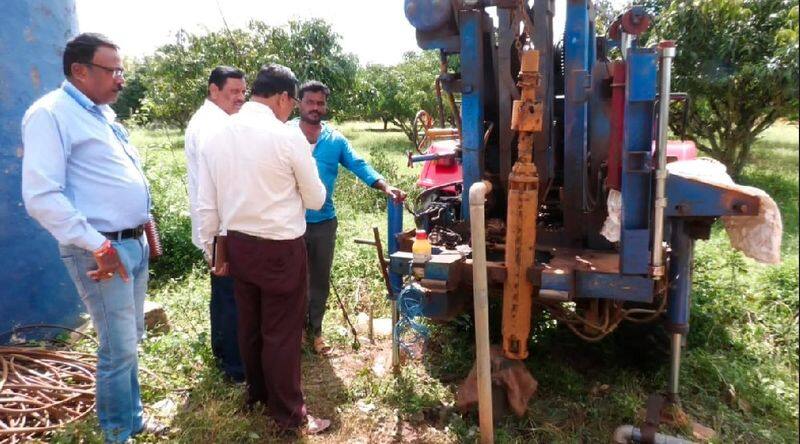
pixel 544 133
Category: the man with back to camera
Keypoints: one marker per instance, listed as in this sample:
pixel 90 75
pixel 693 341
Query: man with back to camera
pixel 330 148
pixel 83 182
pixel 256 177
pixel 226 91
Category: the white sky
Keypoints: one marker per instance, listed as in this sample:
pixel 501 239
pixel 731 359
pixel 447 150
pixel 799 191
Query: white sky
pixel 375 30
pixel 381 35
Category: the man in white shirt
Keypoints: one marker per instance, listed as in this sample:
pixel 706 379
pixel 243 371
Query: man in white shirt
pixel 256 178
pixel 226 90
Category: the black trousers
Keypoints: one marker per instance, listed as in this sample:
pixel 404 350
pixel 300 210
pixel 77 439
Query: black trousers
pixel 270 286
pixel 224 342
pixel 320 243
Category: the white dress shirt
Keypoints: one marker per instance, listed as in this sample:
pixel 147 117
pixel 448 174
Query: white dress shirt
pixel 203 123
pixel 256 175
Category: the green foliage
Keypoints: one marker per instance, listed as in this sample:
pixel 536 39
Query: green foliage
pixel 313 51
pixel 738 59
pixel 176 76
pixel 162 153
pixel 412 391
pixel 605 13
pixel 394 94
pixel 130 99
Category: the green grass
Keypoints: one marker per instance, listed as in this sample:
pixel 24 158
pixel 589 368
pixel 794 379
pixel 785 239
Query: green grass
pixel 744 336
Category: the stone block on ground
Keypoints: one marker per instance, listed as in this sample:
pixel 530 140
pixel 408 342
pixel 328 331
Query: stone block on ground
pixel 381 327
pixel 155 318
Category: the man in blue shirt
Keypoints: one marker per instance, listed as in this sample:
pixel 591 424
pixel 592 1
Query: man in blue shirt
pixel 330 149
pixel 83 182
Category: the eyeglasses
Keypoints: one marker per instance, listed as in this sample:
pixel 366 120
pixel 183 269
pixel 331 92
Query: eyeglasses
pixel 295 100
pixel 117 73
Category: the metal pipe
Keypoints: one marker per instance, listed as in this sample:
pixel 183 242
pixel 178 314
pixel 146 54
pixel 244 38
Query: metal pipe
pixel 438 84
pixel 627 433
pixel 395 216
pixel 667 54
pixel 477 197
pixel 674 365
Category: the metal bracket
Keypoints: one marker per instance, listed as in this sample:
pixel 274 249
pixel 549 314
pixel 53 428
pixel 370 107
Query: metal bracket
pixel 639 162
pixel 534 274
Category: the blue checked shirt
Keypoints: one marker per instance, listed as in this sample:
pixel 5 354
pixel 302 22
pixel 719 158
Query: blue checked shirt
pixel 331 150
pixel 80 176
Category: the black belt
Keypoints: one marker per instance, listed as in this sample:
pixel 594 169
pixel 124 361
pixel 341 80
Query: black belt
pixel 129 233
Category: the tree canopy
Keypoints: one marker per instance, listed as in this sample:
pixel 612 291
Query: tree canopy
pixel 175 78
pixel 738 59
pixel 394 94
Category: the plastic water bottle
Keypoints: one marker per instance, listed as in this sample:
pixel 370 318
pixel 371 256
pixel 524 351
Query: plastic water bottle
pixel 421 251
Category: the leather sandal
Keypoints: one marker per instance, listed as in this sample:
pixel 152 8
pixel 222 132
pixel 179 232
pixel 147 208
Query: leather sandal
pixel 320 347
pixel 315 426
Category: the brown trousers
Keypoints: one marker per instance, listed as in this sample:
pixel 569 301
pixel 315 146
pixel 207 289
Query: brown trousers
pixel 270 287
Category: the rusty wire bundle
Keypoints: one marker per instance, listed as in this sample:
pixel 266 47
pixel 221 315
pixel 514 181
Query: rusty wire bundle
pixel 610 312
pixel 42 390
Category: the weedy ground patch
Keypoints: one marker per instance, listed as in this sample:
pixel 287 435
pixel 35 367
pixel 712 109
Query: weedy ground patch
pixel 739 375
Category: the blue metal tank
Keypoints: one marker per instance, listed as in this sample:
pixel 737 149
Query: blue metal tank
pixel 34 285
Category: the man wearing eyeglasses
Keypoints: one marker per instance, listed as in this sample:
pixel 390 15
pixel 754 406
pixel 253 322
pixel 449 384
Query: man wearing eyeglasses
pixel 256 177
pixel 226 92
pixel 83 182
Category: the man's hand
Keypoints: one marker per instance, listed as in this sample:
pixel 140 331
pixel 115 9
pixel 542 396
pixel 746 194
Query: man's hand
pixel 396 194
pixel 216 271
pixel 207 255
pixel 108 264
pixel 221 270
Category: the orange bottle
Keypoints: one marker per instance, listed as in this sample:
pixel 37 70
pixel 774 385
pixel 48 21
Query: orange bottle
pixel 421 251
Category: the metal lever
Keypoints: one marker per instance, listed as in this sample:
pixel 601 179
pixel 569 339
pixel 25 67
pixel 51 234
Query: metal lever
pixel 414 158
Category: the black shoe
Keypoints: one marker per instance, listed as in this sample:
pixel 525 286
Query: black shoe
pixel 233 378
pixel 254 407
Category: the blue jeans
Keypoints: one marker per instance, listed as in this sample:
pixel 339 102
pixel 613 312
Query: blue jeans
pixel 117 311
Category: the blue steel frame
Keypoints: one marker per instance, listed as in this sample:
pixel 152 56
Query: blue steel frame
pixel 395 227
pixel 578 61
pixel 637 165
pixel 680 277
pixel 471 24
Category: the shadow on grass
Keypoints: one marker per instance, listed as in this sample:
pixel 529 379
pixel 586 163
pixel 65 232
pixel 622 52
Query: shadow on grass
pixel 214 411
pixel 324 391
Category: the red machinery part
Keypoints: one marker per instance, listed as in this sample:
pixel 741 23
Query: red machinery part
pixel 681 150
pixel 635 21
pixel 441 171
pixel 676 149
pixel 617 120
